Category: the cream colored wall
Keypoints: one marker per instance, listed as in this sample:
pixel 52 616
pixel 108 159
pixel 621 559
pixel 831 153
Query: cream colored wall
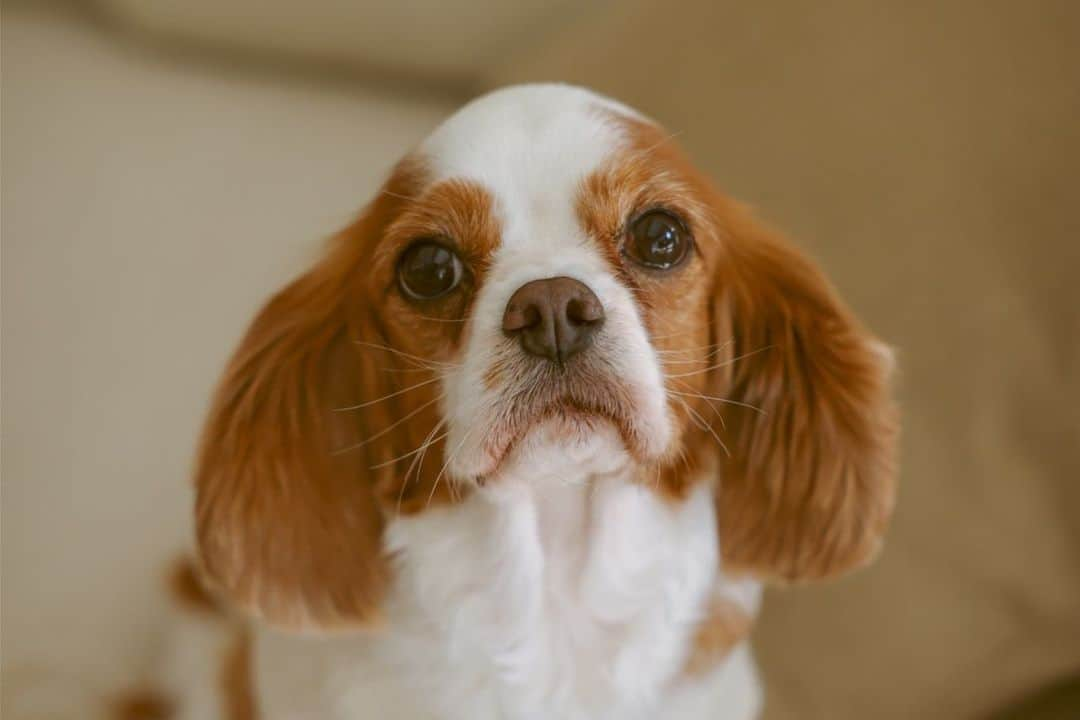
pixel 147 209
pixel 456 41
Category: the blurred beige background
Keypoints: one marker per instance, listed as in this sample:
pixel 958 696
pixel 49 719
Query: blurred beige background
pixel 166 165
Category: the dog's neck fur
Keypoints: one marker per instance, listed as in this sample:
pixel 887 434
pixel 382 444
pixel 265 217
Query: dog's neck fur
pixel 552 594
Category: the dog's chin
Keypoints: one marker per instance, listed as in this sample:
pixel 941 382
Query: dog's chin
pixel 563 446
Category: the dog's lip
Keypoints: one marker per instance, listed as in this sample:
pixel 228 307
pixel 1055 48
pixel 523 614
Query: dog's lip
pixel 499 451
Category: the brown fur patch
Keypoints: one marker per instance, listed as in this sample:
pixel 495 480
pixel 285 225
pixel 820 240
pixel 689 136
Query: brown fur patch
pixel 725 625
pixel 142 705
pixel 238 692
pixel 461 214
pixel 189 591
pixel 458 210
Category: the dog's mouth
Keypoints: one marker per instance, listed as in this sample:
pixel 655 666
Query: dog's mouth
pixel 575 416
pixel 568 421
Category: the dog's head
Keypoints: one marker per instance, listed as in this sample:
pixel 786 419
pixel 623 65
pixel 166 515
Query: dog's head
pixel 544 286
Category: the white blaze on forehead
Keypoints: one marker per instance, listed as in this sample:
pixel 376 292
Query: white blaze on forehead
pixel 529 145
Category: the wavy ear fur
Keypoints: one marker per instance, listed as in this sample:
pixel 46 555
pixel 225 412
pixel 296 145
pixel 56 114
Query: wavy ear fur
pixel 288 526
pixel 808 487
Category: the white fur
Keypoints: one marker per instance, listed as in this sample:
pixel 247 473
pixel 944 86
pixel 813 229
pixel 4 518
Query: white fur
pixel 563 588
pixel 548 597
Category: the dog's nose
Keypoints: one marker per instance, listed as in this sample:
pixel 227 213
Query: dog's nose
pixel 554 318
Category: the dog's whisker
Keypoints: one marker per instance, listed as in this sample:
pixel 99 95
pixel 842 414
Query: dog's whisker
pixel 398 196
pixel 442 320
pixel 410 370
pixel 694 417
pixel 728 401
pixel 684 458
pixel 663 141
pixel 691 361
pixel 684 351
pixel 449 459
pixel 719 415
pixel 429 442
pixel 668 336
pixel 713 349
pixel 705 425
pixel 424 362
pixel 386 463
pixel 396 393
pixel 418 460
pixel 694 361
pixel 725 363
pixel 388 428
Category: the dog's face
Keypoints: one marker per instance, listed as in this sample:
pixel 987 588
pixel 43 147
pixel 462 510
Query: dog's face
pixel 544 288
pixel 553 259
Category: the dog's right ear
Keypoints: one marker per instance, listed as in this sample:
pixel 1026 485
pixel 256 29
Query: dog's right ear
pixel 288 525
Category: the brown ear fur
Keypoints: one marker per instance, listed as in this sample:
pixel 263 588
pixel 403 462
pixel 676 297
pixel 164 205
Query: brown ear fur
pixel 808 487
pixel 288 527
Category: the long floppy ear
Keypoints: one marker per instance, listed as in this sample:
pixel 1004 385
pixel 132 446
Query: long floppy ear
pixel 808 486
pixel 288 526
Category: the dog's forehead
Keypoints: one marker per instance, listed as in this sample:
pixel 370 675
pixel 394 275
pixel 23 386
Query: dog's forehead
pixel 530 146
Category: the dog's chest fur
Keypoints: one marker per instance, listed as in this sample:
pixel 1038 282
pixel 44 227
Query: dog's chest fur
pixel 543 598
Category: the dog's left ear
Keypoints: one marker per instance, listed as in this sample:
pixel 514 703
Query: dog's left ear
pixel 808 487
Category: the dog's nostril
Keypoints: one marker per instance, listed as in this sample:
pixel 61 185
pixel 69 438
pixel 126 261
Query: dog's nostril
pixel 519 317
pixel 584 310
pixel 554 318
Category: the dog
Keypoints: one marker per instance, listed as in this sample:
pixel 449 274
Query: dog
pixel 529 439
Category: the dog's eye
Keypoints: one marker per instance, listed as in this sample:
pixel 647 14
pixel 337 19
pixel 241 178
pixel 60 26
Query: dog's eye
pixel 428 270
pixel 657 240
